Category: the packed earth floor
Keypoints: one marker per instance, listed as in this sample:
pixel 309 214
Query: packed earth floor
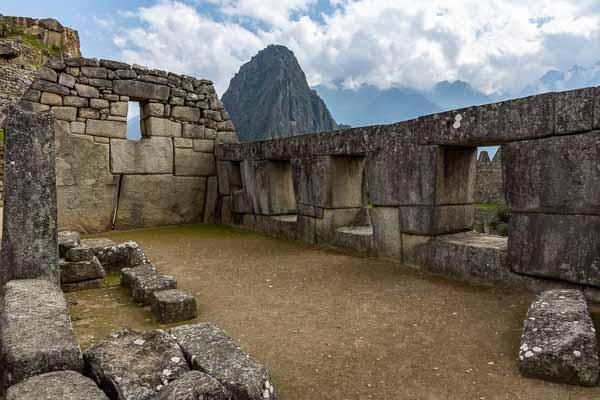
pixel 334 326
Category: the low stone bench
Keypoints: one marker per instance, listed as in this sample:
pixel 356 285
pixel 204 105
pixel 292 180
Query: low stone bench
pixel 131 365
pixel 559 340
pixel 114 257
pixel 36 335
pixel 173 305
pixel 81 275
pixel 208 349
pixel 143 287
pixel 64 385
pixel 130 275
pixel 194 385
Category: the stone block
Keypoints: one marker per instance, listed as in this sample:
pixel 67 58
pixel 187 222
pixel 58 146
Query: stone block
pixel 75 101
pixel 67 80
pixel 270 186
pixel 162 127
pixel 99 103
pixel 92 284
pixel 89 92
pixel 141 90
pixel 208 349
pixel 559 340
pixel 574 111
pixel 143 285
pixel 431 220
pixel 152 155
pixel 417 250
pixel 192 163
pixel 230 178
pixel 565 247
pixel 186 114
pixel 356 239
pixel 332 220
pixel 111 129
pixel 183 143
pixel 553 175
pixel 78 128
pixel 64 385
pixel 210 133
pixel 65 113
pixel 456 175
pixel 240 203
pixel 169 306
pixel 66 241
pixel 51 99
pixel 89 113
pixel 212 197
pixel 46 86
pixel 32 95
pixel 194 385
pixel 226 137
pixel 386 232
pixel 119 108
pixel 47 74
pixel 597 108
pixel 130 275
pixel 114 257
pixel 77 271
pixel 130 365
pixel 36 336
pixel 156 200
pixel 29 229
pixel 193 131
pixel 94 72
pixel 33 107
pixel 79 253
pixel 204 146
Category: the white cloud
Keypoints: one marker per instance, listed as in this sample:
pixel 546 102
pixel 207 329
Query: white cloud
pixel 497 45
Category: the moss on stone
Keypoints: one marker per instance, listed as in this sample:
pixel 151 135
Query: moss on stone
pixel 1 135
pixel 487 207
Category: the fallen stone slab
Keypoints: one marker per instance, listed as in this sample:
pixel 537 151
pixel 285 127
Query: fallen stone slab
pixel 129 365
pixel 173 305
pixel 208 349
pixel 82 286
pixel 559 340
pixel 64 385
pixel 130 275
pixel 66 241
pixel 143 287
pixel 79 253
pixel 194 385
pixel 114 257
pixel 71 272
pixel 36 335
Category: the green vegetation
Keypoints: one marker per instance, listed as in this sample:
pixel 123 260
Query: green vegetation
pixel 10 31
pixel 486 207
pixel 112 279
pixel 1 135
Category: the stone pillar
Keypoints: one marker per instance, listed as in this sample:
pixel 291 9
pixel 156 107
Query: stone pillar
pixel 29 232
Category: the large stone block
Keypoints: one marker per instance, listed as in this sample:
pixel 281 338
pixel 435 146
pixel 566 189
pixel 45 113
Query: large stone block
pixel 172 305
pixel 78 271
pixel 162 127
pixel 65 385
pixel 212 196
pixel 559 340
pixel 332 220
pixel 195 385
pixel 456 175
pixel 110 129
pixel 269 185
pixel 155 200
pixel 153 155
pixel 66 241
pixel 565 247
pixel 141 90
pixel 114 257
pixel 135 366
pixel 208 349
pixel 431 220
pixel 192 163
pixel 508 121
pixel 417 250
pixel 35 332
pixel 29 230
pixel 230 178
pixel 386 231
pixel 187 114
pixel 554 175
pixel 574 111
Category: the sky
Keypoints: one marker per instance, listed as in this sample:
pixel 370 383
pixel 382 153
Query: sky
pixel 499 46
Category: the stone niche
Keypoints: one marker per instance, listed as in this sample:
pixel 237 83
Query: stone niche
pixel 104 179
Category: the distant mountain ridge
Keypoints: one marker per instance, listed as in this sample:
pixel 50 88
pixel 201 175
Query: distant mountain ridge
pixel 270 98
pixel 576 77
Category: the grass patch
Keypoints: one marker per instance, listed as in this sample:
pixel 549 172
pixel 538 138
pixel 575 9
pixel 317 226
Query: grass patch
pixel 111 280
pixel 487 207
pixel 1 135
pixel 33 42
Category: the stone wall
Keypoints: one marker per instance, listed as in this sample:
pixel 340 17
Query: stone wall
pixel 489 185
pixel 406 191
pixel 167 177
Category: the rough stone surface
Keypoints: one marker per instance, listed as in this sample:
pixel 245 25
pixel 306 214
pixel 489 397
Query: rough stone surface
pixel 192 163
pixel 35 332
pixel 135 366
pixel 574 111
pixel 67 385
pixel 77 271
pixel 114 257
pixel 153 155
pixel 173 305
pixel 131 275
pixel 556 246
pixel 141 90
pixel 110 129
pixel 143 285
pixel 66 241
pixel 559 340
pixel 79 253
pixel 208 349
pixel 82 285
pixel 29 230
pixel 424 220
pixel 162 127
pixel 194 385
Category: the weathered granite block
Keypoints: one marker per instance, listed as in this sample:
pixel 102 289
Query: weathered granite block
pixel 193 131
pixel 192 163
pixel 173 305
pixel 553 175
pixel 114 257
pixel 230 177
pixel 141 90
pixel 142 286
pixel 456 175
pixel 429 220
pixel 187 114
pixel 208 349
pixel 65 385
pixel 152 155
pixel 162 127
pixel 77 271
pixel 194 385
pixel 29 230
pixel 386 231
pixel 110 129
pixel 563 247
pixel 270 186
pixel 211 202
pixel 130 275
pixel 35 332
pixel 135 366
pixel 574 111
pixel 66 241
pixel 559 340
pixel 79 253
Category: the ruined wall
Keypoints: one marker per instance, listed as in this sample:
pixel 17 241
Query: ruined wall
pixel 167 177
pixel 406 191
pixel 489 185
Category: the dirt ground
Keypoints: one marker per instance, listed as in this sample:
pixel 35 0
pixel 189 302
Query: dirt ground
pixel 333 326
